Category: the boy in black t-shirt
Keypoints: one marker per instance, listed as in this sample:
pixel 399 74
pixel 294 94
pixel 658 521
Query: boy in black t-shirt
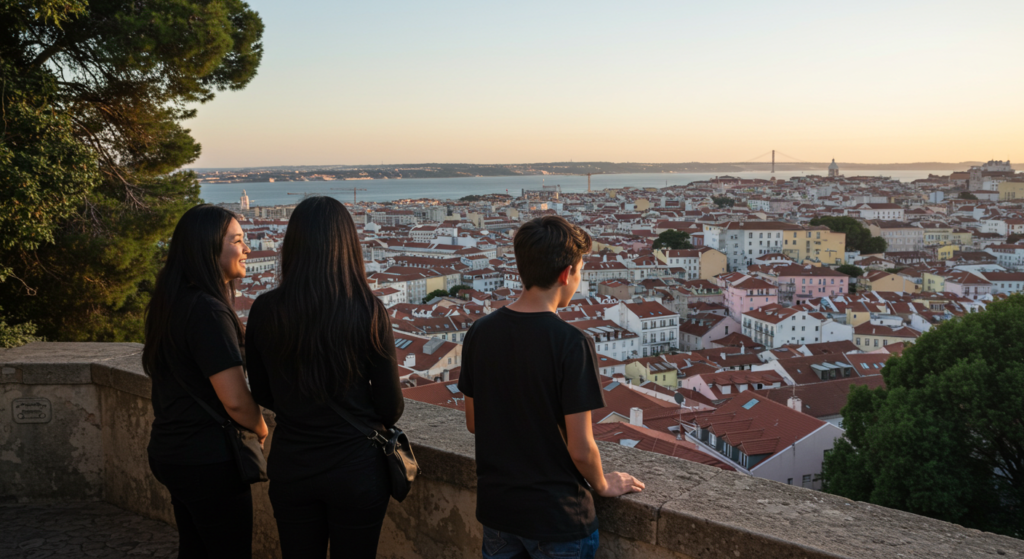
pixel 531 381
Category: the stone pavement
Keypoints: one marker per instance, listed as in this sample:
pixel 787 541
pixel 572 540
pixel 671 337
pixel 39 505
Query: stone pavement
pixel 81 529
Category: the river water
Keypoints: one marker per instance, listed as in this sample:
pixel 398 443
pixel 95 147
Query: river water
pixel 277 193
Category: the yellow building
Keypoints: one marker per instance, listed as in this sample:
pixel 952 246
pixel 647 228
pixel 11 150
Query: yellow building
pixel 642 204
pixel 860 313
pixel 878 280
pixel 1011 191
pixel 870 337
pixel 932 283
pixel 937 235
pixel 815 244
pixel 652 369
pixel 961 237
pixel 599 246
pixel 708 261
pixel 946 252
pixel 435 283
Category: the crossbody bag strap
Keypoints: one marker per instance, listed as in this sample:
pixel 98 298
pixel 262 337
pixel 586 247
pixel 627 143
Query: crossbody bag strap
pixel 363 428
pixel 216 416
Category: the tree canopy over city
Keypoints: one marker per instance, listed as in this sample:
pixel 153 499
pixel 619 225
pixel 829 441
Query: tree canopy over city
pixel 723 201
pixel 436 293
pixel 673 240
pixel 858 237
pixel 94 94
pixel 944 437
pixel 851 270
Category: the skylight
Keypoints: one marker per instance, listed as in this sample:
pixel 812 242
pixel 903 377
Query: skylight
pixel 750 404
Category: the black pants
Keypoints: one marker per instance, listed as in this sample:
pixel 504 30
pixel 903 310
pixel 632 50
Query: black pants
pixel 345 506
pixel 213 508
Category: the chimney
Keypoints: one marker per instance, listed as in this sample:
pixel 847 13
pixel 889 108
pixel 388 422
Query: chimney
pixel 445 375
pixel 410 360
pixel 636 417
pixel 795 403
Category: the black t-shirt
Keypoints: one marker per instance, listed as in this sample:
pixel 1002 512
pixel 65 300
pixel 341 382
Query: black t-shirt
pixel 525 373
pixel 204 343
pixel 310 437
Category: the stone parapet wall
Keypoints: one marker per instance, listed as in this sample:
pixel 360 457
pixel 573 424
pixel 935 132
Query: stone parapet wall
pixel 93 447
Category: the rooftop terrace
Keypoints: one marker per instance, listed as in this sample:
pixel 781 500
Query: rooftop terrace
pixel 73 472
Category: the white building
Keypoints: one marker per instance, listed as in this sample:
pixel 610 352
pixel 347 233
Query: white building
pixel 890 212
pixel 743 241
pixel 775 326
pixel 1005 282
pixel 657 326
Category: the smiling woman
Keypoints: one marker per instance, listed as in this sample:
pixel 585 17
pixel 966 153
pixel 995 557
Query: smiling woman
pixel 194 354
pixel 234 252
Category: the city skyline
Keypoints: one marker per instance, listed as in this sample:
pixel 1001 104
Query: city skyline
pixel 872 83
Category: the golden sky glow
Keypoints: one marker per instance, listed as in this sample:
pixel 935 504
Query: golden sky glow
pixel 662 82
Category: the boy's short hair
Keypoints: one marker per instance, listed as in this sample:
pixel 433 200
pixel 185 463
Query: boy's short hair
pixel 547 245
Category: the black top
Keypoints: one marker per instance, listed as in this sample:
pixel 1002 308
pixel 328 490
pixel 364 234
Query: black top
pixel 525 373
pixel 203 343
pixel 311 438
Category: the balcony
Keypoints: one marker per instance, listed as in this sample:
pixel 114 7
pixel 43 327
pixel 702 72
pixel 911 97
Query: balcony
pixel 88 445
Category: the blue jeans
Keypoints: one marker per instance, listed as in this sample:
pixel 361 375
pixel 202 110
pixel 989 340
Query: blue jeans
pixel 502 545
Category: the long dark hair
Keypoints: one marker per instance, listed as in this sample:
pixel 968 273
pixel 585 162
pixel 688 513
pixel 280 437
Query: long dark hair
pixel 328 321
pixel 192 260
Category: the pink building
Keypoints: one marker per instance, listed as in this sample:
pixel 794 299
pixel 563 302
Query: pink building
pixel 968 285
pixel 745 293
pixel 812 282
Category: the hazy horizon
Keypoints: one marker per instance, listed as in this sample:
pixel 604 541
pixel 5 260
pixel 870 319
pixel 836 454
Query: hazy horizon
pixel 539 82
pixel 782 165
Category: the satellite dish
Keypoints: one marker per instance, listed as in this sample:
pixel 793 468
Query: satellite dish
pixel 680 399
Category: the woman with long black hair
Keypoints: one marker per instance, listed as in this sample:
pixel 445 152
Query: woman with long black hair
pixel 194 351
pixel 322 339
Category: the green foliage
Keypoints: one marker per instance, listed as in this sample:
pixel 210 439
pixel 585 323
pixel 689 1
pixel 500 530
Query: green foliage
pixel 723 201
pixel 874 245
pixel 851 270
pixel 894 270
pixel 454 291
pixel 673 240
pixel 944 438
pixel 435 293
pixel 14 335
pixel 471 198
pixel 967 196
pixel 858 237
pixel 1014 238
pixel 45 172
pixel 94 95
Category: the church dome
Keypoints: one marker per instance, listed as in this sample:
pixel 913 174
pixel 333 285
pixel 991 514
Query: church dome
pixel 833 165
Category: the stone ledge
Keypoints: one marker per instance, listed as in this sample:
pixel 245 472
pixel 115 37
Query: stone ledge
pixel 59 362
pixel 687 510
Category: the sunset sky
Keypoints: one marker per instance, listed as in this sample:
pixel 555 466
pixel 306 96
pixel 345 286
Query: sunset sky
pixel 483 82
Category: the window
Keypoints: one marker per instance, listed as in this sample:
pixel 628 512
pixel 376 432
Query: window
pixel 789 481
pixel 807 480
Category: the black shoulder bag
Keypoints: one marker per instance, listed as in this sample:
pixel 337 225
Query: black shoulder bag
pixel 244 444
pixel 401 461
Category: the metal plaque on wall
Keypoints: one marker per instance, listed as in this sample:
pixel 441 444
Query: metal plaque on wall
pixel 32 410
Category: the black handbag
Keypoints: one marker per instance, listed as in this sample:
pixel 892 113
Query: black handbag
pixel 244 444
pixel 401 461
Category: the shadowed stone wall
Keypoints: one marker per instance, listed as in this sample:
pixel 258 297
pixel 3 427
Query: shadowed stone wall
pixel 92 446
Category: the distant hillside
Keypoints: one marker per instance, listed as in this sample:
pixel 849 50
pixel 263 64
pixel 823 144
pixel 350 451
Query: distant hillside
pixel 452 170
